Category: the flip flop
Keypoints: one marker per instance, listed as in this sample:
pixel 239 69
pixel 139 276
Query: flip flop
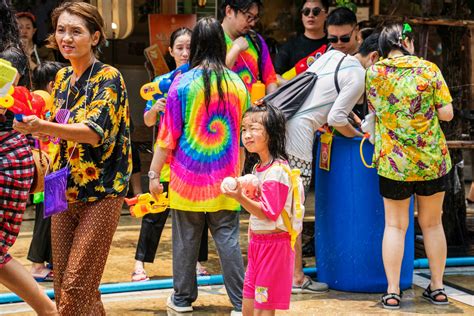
pixel 139 275
pixel 201 271
pixel 44 276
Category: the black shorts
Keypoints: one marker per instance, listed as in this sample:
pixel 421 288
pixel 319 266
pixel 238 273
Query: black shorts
pixel 401 190
pixel 137 166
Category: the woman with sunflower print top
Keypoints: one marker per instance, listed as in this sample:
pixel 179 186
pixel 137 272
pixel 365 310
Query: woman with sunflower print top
pixel 410 97
pixel 96 137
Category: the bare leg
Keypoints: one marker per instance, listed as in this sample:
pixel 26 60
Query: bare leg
pixel 37 267
pixel 136 182
pixel 429 218
pixel 393 244
pixel 298 275
pixel 16 278
pixel 247 307
pixel 139 265
pixel 470 195
pixel 264 312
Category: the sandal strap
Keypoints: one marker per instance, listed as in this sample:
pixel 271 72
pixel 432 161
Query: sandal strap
pixel 388 296
pixel 435 293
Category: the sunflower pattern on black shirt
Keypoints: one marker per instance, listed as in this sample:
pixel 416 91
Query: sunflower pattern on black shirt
pixel 102 170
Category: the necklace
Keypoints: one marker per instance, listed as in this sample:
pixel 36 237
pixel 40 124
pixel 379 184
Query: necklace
pixel 87 86
pixel 63 114
pixel 267 164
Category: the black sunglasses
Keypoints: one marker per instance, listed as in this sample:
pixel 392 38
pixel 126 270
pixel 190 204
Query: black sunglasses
pixel 344 38
pixel 315 10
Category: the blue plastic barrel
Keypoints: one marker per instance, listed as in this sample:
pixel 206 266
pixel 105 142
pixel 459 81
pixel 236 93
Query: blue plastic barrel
pixel 350 223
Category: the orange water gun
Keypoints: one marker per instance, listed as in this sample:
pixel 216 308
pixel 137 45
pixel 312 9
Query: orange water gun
pixel 143 204
pixel 304 63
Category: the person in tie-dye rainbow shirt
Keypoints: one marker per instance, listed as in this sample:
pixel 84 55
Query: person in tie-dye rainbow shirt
pixel 201 130
pixel 247 52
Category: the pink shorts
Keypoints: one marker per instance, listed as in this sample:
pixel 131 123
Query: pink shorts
pixel 269 275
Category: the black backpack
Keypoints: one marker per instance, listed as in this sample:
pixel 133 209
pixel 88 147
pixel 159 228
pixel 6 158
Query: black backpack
pixel 289 98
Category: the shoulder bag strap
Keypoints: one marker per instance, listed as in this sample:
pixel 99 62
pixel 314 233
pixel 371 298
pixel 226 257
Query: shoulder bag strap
pixel 336 83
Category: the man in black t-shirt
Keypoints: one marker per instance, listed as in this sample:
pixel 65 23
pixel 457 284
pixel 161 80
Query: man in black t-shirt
pixel 313 17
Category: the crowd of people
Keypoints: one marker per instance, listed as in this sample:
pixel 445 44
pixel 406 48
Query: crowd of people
pixel 206 128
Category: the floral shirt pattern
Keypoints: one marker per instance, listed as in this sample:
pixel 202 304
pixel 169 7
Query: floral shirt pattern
pixel 405 93
pixel 103 170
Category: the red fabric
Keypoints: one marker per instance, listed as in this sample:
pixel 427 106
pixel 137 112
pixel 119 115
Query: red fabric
pixel 16 176
pixel 273 198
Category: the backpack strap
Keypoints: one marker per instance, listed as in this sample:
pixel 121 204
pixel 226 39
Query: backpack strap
pixel 336 83
pixel 293 174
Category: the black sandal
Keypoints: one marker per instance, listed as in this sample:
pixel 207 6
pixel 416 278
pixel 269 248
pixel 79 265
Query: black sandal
pixel 389 296
pixel 432 296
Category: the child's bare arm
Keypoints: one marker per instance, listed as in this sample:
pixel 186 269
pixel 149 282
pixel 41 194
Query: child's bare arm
pixel 253 207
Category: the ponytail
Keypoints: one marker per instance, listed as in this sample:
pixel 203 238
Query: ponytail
pixel 392 37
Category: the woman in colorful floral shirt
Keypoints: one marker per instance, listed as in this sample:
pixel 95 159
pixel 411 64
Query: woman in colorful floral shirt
pixel 410 97
pixel 96 139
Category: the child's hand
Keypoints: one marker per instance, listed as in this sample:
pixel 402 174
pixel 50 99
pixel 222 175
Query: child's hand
pixel 159 105
pixel 235 193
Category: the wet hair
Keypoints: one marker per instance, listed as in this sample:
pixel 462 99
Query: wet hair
pixel 369 45
pixel 274 123
pixel 391 38
pixel 239 5
pixel 174 36
pixel 208 51
pixel 45 73
pixel 17 58
pixel 9 34
pixel 88 13
pixel 19 61
pixel 323 3
pixel 341 16
pixel 366 32
pixel 10 46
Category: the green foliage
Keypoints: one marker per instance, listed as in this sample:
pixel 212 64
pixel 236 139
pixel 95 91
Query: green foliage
pixel 348 4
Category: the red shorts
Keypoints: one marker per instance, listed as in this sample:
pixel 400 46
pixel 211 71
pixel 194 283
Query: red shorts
pixel 269 275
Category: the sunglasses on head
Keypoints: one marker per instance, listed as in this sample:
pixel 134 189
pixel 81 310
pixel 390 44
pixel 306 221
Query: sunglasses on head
pixel 315 10
pixel 344 38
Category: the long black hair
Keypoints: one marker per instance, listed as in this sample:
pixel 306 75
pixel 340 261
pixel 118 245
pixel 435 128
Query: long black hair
pixel 208 51
pixel 9 34
pixel 392 37
pixel 275 126
pixel 10 46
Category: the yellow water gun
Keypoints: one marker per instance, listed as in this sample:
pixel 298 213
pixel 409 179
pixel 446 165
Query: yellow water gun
pixel 143 204
pixel 7 78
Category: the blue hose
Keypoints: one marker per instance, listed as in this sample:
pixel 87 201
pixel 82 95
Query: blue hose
pixel 217 279
pixel 450 262
pixel 124 287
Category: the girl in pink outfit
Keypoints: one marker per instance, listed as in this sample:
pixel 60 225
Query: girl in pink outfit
pixel 269 274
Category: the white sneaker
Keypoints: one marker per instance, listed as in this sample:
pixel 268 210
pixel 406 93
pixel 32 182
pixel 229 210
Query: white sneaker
pixel 235 313
pixel 179 309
